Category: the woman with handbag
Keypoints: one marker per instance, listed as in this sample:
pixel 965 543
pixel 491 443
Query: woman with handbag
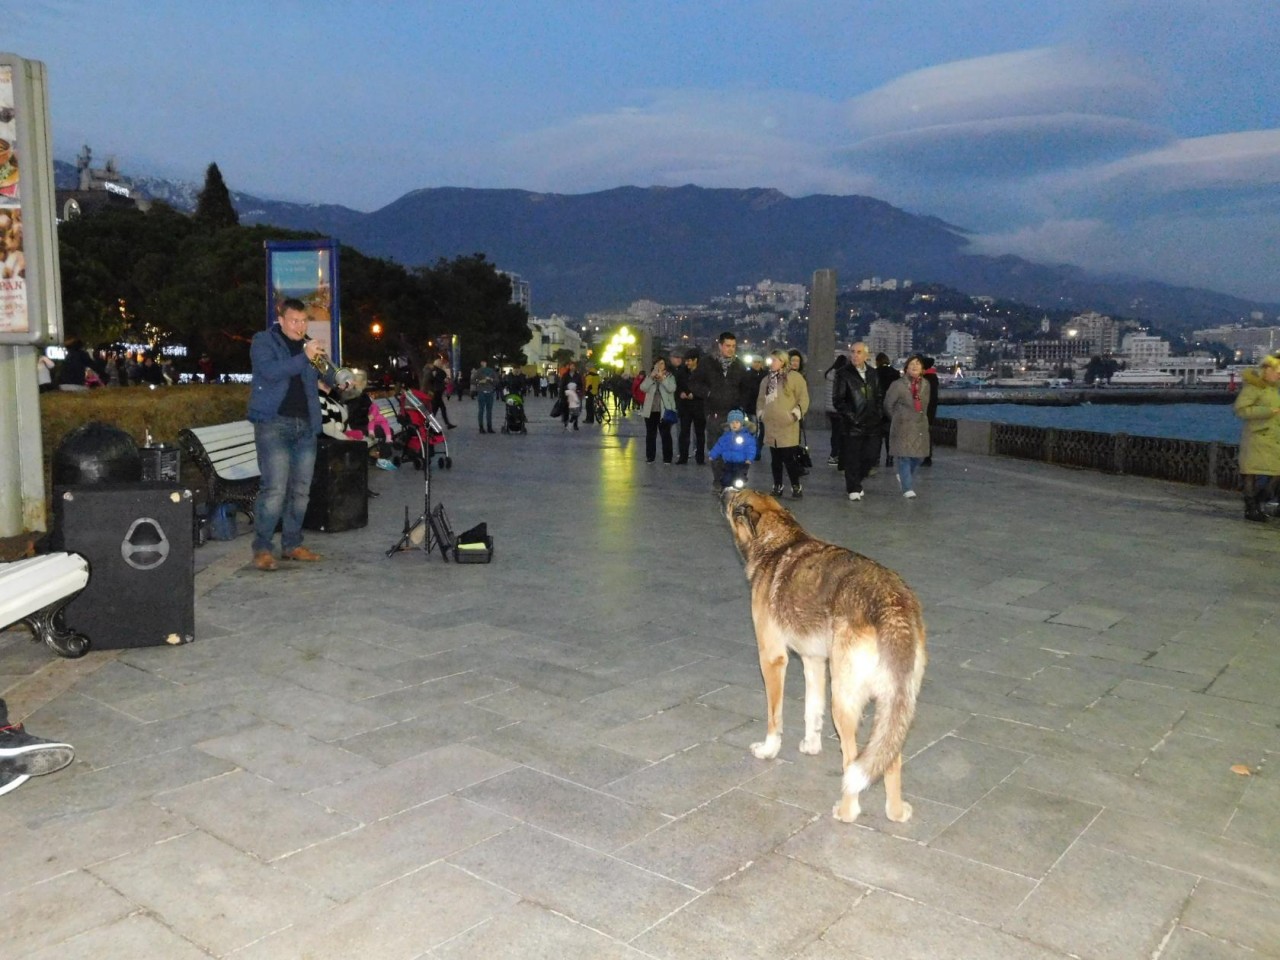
pixel 781 405
pixel 658 410
pixel 907 406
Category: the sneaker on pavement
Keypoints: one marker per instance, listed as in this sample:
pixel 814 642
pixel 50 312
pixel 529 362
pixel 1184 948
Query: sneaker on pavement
pixel 384 464
pixel 23 756
pixel 833 461
pixel 909 494
pixel 856 495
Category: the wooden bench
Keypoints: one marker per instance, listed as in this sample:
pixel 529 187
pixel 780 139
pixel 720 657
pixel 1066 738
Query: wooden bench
pixel 35 591
pixel 227 457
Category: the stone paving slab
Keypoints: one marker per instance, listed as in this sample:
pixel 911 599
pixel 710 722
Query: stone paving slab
pixel 547 755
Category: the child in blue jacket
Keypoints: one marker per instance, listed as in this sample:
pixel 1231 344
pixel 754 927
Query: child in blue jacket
pixel 735 450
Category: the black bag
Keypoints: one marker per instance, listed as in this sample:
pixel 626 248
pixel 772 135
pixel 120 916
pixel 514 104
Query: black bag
pixel 558 408
pixel 806 461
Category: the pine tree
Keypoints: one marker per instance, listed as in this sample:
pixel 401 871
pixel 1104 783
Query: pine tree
pixel 213 205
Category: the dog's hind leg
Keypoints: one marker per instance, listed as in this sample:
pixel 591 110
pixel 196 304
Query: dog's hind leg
pixel 895 808
pixel 773 665
pixel 815 703
pixel 849 696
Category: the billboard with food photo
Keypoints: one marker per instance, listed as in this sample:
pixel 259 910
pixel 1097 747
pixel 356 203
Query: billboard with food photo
pixel 30 292
pixel 13 271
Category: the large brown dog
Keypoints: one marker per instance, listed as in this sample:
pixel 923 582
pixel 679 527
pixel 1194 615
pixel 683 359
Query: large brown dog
pixel 828 603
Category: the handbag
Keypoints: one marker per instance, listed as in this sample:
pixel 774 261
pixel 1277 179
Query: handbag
pixel 806 461
pixel 670 416
pixel 558 408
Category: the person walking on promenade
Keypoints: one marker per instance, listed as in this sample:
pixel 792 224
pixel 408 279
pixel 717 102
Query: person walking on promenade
pixel 484 381
pixel 755 376
pixel 591 390
pixel 856 398
pixel 721 383
pixel 692 419
pixel 931 377
pixel 570 375
pixel 572 403
pixel 733 452
pixel 906 406
pixel 437 384
pixel 781 404
pixel 1258 405
pixel 833 418
pixel 284 407
pixel 887 375
pixel 658 410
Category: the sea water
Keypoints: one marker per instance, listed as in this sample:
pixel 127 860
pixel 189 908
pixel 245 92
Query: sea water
pixel 1181 421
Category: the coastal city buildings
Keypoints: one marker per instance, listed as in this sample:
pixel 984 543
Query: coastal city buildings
pixel 1249 343
pixel 895 339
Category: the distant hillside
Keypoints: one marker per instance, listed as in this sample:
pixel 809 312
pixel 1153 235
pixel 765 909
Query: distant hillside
pixel 596 251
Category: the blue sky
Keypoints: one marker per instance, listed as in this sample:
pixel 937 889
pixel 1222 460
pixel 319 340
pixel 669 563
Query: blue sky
pixel 1132 135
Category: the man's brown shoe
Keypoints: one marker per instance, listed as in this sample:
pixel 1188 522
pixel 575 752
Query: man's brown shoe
pixel 302 555
pixel 263 560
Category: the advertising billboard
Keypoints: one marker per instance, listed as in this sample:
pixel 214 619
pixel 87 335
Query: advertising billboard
pixel 30 290
pixel 307 270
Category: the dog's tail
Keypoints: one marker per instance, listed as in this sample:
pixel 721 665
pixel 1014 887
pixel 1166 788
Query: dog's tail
pixel 895 709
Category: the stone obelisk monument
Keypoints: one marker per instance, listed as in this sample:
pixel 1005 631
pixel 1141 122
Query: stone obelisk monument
pixel 822 344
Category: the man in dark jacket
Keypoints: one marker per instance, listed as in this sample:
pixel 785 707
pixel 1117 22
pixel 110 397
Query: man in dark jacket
pixel 721 383
pixel 856 398
pixel 690 410
pixel 284 407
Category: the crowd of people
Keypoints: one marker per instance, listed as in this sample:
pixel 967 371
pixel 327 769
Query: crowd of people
pixel 81 369
pixel 689 401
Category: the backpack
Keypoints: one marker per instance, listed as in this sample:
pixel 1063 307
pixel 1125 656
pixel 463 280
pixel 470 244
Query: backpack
pixel 636 393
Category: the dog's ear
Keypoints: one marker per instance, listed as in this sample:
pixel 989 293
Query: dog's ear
pixel 748 514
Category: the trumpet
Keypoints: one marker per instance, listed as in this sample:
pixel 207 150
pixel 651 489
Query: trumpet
pixel 321 360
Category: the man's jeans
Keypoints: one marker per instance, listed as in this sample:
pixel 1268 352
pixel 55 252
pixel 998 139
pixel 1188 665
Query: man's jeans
pixel 484 409
pixel 286 460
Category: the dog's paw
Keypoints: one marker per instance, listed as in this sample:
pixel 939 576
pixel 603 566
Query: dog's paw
pixel 811 744
pixel 766 749
pixel 905 815
pixel 847 810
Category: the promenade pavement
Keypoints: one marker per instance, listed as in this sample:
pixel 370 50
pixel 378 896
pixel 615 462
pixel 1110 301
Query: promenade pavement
pixel 547 756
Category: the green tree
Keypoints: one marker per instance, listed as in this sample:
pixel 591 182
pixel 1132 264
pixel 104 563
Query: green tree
pixel 213 204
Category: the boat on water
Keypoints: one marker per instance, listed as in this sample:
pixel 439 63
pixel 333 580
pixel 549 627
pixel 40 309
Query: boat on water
pixel 1226 377
pixel 1143 378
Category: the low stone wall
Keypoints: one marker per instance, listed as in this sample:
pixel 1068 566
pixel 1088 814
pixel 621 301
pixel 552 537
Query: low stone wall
pixel 1161 458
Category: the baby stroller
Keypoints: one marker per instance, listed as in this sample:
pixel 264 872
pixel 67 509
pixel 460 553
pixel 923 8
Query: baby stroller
pixel 515 421
pixel 424 437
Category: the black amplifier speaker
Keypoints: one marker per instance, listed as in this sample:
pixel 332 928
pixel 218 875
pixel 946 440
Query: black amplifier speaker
pixel 138 541
pixel 339 486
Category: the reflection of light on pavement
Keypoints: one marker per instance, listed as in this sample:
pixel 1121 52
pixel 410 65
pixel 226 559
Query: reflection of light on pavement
pixel 618 480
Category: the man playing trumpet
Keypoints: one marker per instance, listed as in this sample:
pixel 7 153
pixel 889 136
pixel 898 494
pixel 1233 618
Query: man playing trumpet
pixel 284 407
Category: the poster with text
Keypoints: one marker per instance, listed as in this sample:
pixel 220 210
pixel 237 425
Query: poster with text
pixel 306 271
pixel 13 264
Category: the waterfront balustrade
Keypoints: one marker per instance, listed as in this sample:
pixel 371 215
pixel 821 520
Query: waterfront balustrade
pixel 1160 458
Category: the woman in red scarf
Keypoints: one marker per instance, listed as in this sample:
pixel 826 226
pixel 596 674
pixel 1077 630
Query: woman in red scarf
pixel 907 406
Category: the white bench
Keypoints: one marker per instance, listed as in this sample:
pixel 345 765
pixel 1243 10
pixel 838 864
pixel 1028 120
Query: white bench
pixel 227 457
pixel 35 591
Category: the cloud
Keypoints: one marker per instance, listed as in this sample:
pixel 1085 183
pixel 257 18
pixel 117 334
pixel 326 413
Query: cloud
pixel 1028 83
pixel 745 139
pixel 1003 147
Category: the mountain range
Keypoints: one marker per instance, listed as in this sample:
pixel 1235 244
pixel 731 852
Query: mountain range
pixel 601 251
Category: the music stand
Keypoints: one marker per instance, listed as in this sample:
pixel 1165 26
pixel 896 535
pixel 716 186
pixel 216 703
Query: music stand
pixel 435 525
